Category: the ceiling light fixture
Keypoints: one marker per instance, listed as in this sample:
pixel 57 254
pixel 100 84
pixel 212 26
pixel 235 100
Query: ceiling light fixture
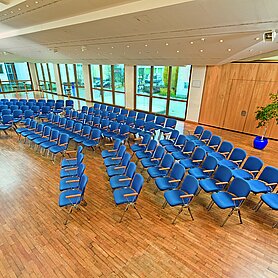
pixel 201 50
pixel 36 2
pixel 191 42
pixel 83 48
pixel 166 43
pixel 19 9
pixel 257 38
pixel 203 39
pixel 221 41
pixel 27 6
pixel 250 50
pixel 127 46
pixel 12 12
pixel 112 47
pixel 229 49
pixel 146 45
pixel 139 52
pixel 178 51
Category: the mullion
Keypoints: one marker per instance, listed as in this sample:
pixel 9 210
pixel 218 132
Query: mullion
pixel 49 76
pixel 151 89
pixel 113 84
pixel 76 81
pixel 168 90
pixel 101 83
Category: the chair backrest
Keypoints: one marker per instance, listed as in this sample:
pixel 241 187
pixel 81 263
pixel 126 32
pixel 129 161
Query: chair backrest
pixel 116 110
pixel 206 135
pixel 225 147
pixel 63 122
pixel 121 151
pixel 7 119
pixel 253 163
pixel 117 144
pixel 69 103
pixel 150 118
pixel 141 116
pixel 238 154
pixel 81 116
pixel 13 107
pixel 97 113
pixel 28 122
pixel 139 123
pixel 130 121
pixel 209 163
pixel 28 114
pixel 50 116
pixel 56 119
pixel 77 127
pixel 69 124
pixel 17 113
pixel 59 105
pixel 124 112
pixel 2 107
pixel 33 124
pixel 180 140
pixel 63 139
pixel 83 183
pixel 198 130
pixel 45 109
pixel 190 185
pixel 88 119
pixel 269 175
pixel 189 146
pixel 109 109
pixel 113 116
pixel 79 150
pixel 80 169
pixel 177 171
pixel 171 123
pixel 74 115
pixel 126 159
pixel 24 108
pixel 120 118
pixel 199 154
pixel 54 134
pixel 114 126
pixel 214 141
pixel 149 126
pixel 167 161
pixel 91 110
pixel 6 112
pixel 96 133
pixel 40 127
pixel 160 120
pixel 79 158
pixel 84 109
pixel 137 184
pixel 47 131
pixel 223 174
pixel 146 139
pixel 159 152
pixel 132 114
pixel 86 131
pixel 60 101
pixel 42 101
pixel 102 107
pixel 104 123
pixel 96 106
pixel 152 145
pixel 240 188
pixel 96 121
pixel 131 169
pixel 174 135
pixel 104 114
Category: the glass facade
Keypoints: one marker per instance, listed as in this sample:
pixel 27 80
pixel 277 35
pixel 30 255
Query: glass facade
pixel 108 84
pixel 15 77
pixel 46 77
pixel 162 89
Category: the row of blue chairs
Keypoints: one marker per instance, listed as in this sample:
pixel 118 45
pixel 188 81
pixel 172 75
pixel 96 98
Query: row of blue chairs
pixel 73 182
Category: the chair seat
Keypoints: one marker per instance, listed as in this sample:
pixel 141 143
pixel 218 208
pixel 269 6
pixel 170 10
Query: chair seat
pixel 179 155
pixel 199 143
pixel 172 148
pixel 90 143
pixel 116 183
pixel 107 153
pixel 163 184
pixel 165 142
pixel 198 173
pixel 69 173
pixel 142 154
pixel 166 129
pixel 68 163
pixel 111 171
pixel 108 134
pixel 27 132
pixel 217 155
pixel 173 198
pixel 40 140
pixel 144 132
pixel 188 163
pixel 191 137
pixel 135 130
pixel 47 144
pixel 5 127
pixel 154 172
pixel 271 199
pixel 228 163
pixel 33 136
pixel 65 184
pixel 109 161
pixel 147 162
pixel 224 200
pixel 136 148
pixel 207 149
pixel 240 173
pixel 21 129
pixel 120 137
pixel 79 139
pixel 257 186
pixel 209 185
pixel 63 201
pixel 57 149
pixel 119 196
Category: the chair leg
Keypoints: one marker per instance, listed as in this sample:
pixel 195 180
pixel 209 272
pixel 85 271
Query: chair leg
pixel 239 215
pixel 137 211
pixel 189 210
pixel 210 205
pixel 275 225
pixel 198 191
pixel 149 178
pixel 231 212
pixel 164 204
pixel 69 212
pixel 155 191
pixel 258 205
pixel 179 212
pixel 126 208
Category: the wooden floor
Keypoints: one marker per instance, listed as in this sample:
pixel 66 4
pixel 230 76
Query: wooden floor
pixel 35 242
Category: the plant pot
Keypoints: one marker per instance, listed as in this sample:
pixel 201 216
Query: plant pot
pixel 260 143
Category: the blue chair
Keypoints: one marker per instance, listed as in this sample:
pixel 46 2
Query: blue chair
pixel 266 182
pixel 149 128
pixel 70 172
pixel 94 140
pixel 112 130
pixel 123 134
pixel 162 169
pixel 30 130
pixel 96 106
pixel 138 127
pixel 177 146
pixel 73 197
pixel 132 114
pixel 129 195
pixel 109 109
pixel 141 116
pixel 170 125
pixel 124 112
pixel 196 134
pixel 72 161
pixel 172 180
pixel 62 124
pixel 69 103
pixel 195 160
pixel 186 152
pixel 213 144
pixel 148 152
pixel 130 122
pixel 206 169
pixel 171 140
pixel 250 169
pixel 71 182
pixel 17 116
pixel 14 107
pixel 271 200
pixel 224 150
pixel 119 169
pixel 150 118
pixel 44 137
pixel 76 130
pixel 104 125
pixel 36 110
pixel 154 160
pixel 104 115
pixel 84 109
pixel 26 126
pixel 61 146
pixel 116 110
pixel 52 141
pixel 233 198
pixel 85 135
pixel 124 180
pixel 88 120
pixel 204 139
pixel 112 152
pixel 183 196
pixel 115 160
pixel 102 107
pixel 235 159
pixel 112 117
pixel 69 126
pixel 28 114
pixel 121 119
pixel 36 134
pixel 141 146
pixel 91 111
pixel 48 119
pixel 96 122
pixel 58 108
pixel 159 122
pixel 7 123
pixel 219 181
pixel 74 115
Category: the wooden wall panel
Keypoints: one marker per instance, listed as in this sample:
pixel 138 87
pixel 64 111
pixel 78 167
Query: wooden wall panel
pixel 238 104
pixel 272 130
pixel 226 95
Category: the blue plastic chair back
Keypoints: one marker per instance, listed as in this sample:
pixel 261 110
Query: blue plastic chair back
pixel 104 114
pixel 167 161
pixel 171 123
pixel 141 116
pixel 214 141
pixel 174 135
pixel 33 124
pixel 126 159
pixel 159 152
pixel 82 184
pixel 28 114
pixel 113 116
pixel 190 185
pixel 88 119
pixel 120 118
pixel 54 134
pixel 84 109
pixel 96 121
pixel 139 123
pixel 160 120
pixel 45 110
pixel 132 114
pixel 114 126
pixel 253 163
pixel 13 107
pixel 189 146
pixel 47 131
pixel 180 140
pixel 109 109
pixel 199 154
pixel 131 169
pixel 79 150
pixel 7 119
pixel 223 174
pixel 63 139
pixel 104 124
pixel 91 110
pixel 117 144
pixel 238 154
pixel 121 151
pixel 124 112
pixel 69 103
pixel 239 187
pixel 74 115
pixel 152 145
pixel 63 122
pixel 80 170
pixel 40 127
pixel 77 127
pixel 137 184
pixel 198 130
pixel 96 133
pixel 269 175
pixel 206 135
pixel 116 110
pixel 177 171
pixel 69 125
pixel 17 113
pixel 225 147
pixel 130 121
pixel 210 163
pixel 150 118
pixel 6 112
pixel 146 139
pixel 79 158
pixel 86 131
pixel 103 107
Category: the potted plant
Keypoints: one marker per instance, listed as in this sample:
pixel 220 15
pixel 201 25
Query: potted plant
pixel 263 115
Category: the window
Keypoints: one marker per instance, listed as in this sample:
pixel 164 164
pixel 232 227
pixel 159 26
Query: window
pixel 72 80
pixel 46 77
pixel 162 89
pixel 108 84
pixel 15 77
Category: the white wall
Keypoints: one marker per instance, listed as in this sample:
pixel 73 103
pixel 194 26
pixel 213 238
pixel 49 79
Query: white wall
pixel 195 93
pixel 34 77
pixel 129 87
pixel 87 85
pixel 57 79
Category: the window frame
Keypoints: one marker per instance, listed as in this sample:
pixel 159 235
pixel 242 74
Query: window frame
pixel 51 83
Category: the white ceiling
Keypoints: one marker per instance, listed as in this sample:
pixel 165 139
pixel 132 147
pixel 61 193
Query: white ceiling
pixel 156 32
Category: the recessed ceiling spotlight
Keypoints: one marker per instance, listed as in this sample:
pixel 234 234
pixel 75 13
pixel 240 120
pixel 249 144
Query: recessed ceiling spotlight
pixel 127 46
pixel 98 48
pixel 112 47
pixel 19 9
pixel 27 6
pixel 5 14
pixel 250 50
pixel 201 50
pixel 191 42
pixel 257 38
pixel 203 39
pixel 146 45
pixel 221 41
pixel 178 51
pixel 12 12
pixel 166 43
pixel 157 51
pixel 83 48
pixel 139 52
pixel 36 2
pixel 229 49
